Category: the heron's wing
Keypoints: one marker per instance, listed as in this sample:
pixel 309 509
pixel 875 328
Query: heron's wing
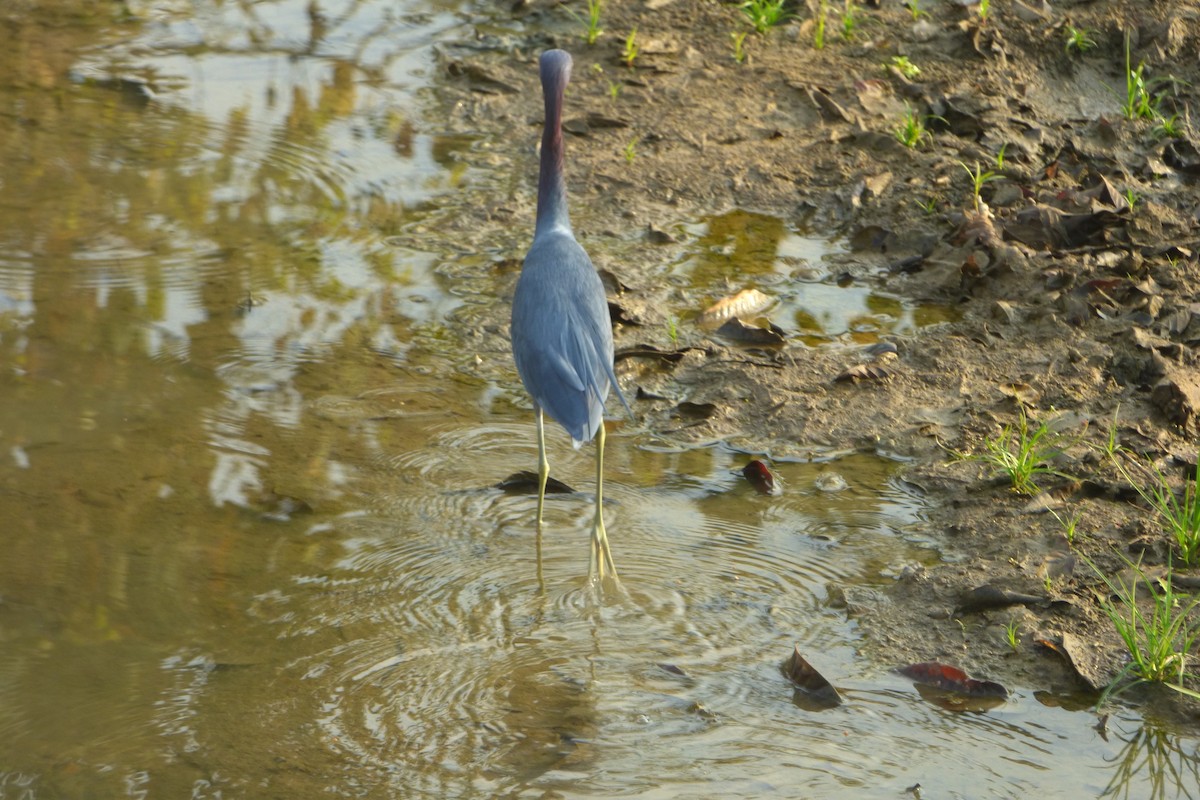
pixel 579 367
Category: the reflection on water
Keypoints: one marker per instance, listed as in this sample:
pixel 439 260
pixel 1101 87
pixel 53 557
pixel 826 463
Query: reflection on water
pixel 252 403
pixel 1153 763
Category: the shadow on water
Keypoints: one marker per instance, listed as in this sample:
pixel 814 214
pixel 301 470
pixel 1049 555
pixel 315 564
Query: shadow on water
pixel 253 402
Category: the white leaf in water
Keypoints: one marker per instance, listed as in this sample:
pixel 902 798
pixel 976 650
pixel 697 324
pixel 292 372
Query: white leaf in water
pixel 744 303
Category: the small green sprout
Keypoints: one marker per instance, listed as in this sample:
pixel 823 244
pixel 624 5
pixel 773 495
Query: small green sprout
pixel 1112 442
pixel 911 130
pixel 929 206
pixel 905 67
pixel 1167 127
pixel 765 14
pixel 914 8
pixel 592 30
pixel 852 20
pixel 739 52
pixel 1079 40
pixel 1012 634
pixel 630 52
pixel 630 150
pixel 985 10
pixel 978 179
pixel 1131 198
pixel 1070 525
pixel 1000 156
pixel 819 28
pixel 1139 102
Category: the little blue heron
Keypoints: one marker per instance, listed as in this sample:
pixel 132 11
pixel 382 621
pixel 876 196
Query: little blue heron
pixel 561 332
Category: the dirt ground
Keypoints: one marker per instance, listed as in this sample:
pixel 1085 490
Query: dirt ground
pixel 1076 306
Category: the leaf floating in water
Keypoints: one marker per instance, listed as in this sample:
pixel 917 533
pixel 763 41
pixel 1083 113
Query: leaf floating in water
pixel 526 482
pixel 744 303
pixel 738 331
pixel 945 678
pixel 813 691
pixel 761 478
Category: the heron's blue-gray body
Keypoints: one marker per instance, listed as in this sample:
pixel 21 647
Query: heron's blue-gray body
pixel 562 337
pixel 561 333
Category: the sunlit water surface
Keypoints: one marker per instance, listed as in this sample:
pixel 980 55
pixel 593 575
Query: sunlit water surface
pixel 251 412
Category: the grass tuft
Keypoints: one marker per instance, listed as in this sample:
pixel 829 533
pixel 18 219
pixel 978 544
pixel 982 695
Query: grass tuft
pixel 1078 40
pixel 1022 454
pixel 592 30
pixel 1179 516
pixel 765 14
pixel 911 130
pixel 1159 636
pixel 1139 102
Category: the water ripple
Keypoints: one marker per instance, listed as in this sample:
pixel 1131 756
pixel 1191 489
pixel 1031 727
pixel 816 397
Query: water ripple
pixel 468 664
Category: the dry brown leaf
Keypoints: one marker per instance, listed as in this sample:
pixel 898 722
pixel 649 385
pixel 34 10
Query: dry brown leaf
pixel 744 303
pixel 862 372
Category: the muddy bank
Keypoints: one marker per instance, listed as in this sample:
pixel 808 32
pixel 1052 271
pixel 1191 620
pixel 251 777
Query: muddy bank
pixel 1070 275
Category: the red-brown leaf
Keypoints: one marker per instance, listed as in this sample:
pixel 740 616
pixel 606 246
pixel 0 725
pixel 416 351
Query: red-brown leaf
pixel 761 478
pixel 951 679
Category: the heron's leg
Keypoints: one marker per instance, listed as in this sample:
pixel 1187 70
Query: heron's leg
pixel 543 467
pixel 601 565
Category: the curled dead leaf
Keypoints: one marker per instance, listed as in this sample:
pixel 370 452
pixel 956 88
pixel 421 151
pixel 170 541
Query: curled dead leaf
pixel 952 688
pixel 761 478
pixel 744 303
pixel 813 691
pixel 862 372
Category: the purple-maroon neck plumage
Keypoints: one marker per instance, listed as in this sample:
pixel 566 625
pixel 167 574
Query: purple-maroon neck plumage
pixel 552 185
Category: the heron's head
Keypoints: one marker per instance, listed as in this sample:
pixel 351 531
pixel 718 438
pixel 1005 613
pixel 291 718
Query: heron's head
pixel 555 68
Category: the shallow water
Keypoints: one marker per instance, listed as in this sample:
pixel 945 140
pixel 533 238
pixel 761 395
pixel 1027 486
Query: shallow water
pixel 251 409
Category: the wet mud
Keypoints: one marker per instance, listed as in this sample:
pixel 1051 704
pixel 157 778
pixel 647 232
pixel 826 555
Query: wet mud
pixel 1062 294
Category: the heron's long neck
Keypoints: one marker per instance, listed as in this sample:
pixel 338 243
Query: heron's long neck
pixel 552 185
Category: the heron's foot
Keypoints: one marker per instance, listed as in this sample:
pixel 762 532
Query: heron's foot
pixel 601 569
